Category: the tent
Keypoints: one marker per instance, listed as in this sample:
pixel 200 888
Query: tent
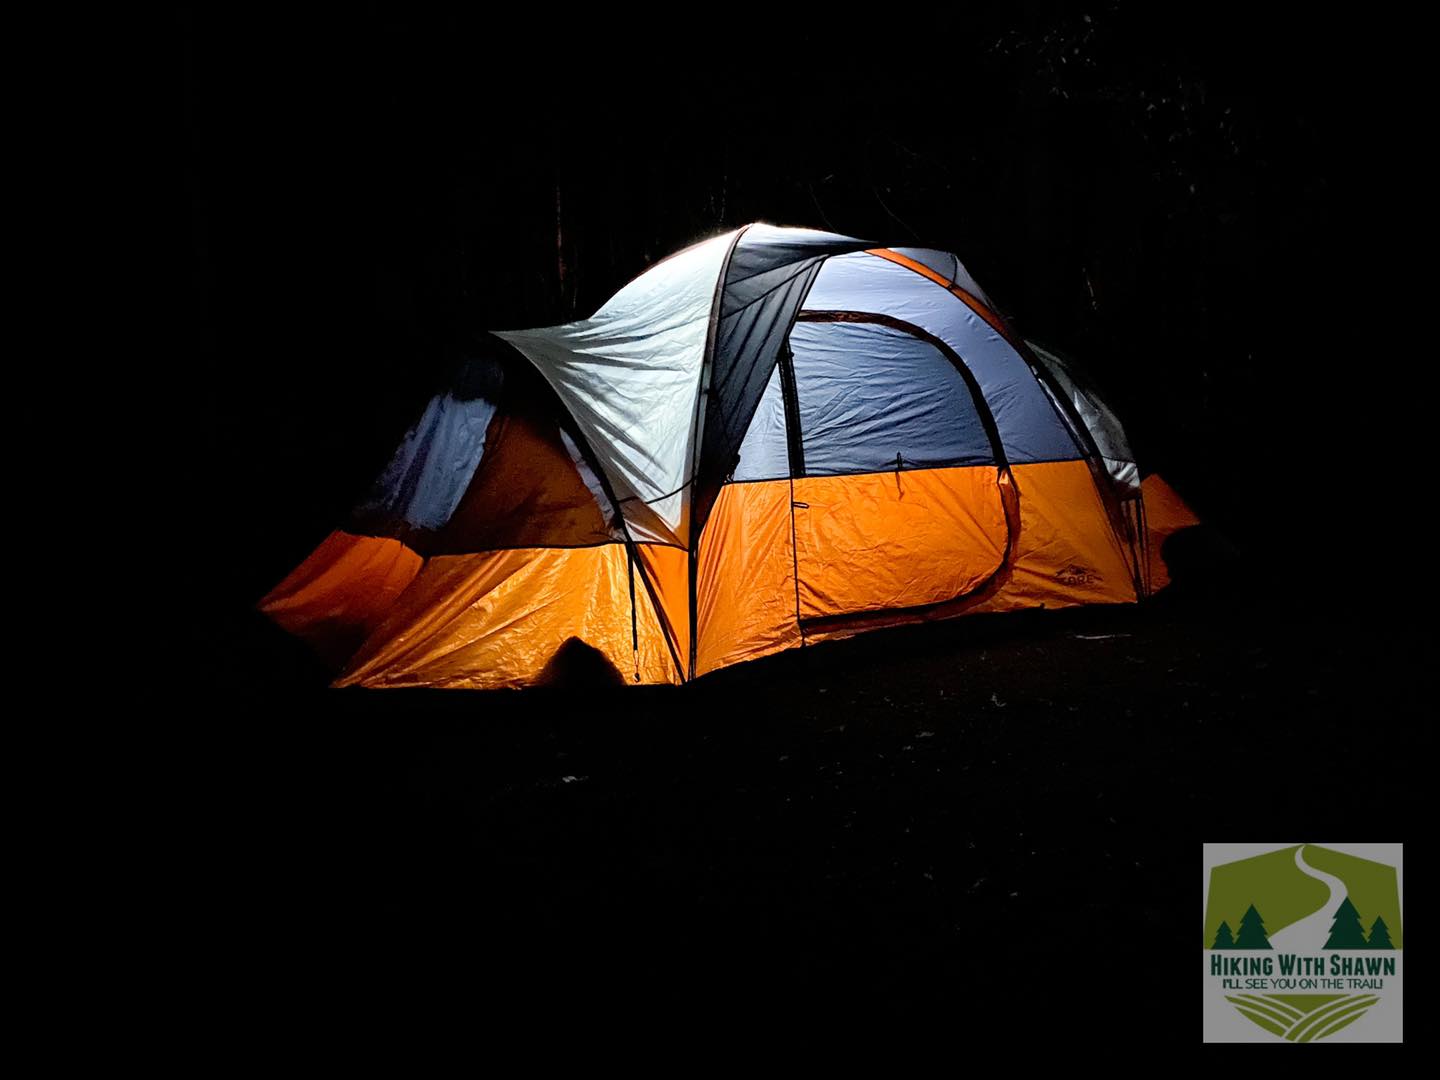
pixel 772 438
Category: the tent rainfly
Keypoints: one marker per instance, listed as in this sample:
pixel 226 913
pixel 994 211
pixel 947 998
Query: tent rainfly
pixel 772 438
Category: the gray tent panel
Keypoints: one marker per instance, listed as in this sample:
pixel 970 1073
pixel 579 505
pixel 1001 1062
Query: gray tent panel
pixel 1102 423
pixel 871 398
pixel 428 475
pixel 1030 428
pixel 765 453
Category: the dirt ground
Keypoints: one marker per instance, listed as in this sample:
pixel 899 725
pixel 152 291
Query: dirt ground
pixel 988 823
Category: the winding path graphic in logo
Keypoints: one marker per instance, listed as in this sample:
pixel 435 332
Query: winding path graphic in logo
pixel 1303 942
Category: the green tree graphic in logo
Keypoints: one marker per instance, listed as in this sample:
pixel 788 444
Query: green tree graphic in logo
pixel 1346 932
pixel 1372 887
pixel 1252 931
pixel 1274 884
pixel 1321 889
pixel 1379 935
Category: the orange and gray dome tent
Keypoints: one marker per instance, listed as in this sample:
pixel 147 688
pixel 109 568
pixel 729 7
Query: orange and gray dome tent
pixel 772 438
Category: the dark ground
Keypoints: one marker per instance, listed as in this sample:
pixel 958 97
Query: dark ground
pixel 947 830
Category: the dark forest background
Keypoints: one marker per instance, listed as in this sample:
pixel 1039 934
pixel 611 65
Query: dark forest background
pixel 1197 204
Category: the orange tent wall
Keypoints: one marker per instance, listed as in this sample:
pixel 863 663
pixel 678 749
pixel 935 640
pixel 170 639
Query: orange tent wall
pixel 1064 553
pixel 896 540
pixel 337 596
pixel 668 570
pixel 1165 515
pixel 500 619
pixel 746 576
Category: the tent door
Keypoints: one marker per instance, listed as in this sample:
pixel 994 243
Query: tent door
pixel 888 541
pixel 895 494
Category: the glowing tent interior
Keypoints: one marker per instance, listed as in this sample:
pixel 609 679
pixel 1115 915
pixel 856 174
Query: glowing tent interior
pixel 774 437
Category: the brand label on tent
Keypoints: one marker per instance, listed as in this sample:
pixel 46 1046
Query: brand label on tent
pixel 1303 943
